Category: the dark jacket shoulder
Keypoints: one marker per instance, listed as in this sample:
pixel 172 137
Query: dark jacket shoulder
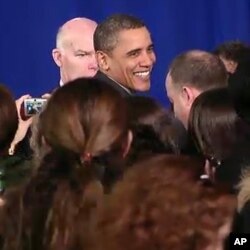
pixel 122 90
pixel 14 170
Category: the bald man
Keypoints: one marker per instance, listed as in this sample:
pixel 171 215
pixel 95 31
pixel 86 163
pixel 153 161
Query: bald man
pixel 190 74
pixel 75 56
pixel 74 53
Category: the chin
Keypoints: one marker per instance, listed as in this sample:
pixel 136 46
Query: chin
pixel 142 87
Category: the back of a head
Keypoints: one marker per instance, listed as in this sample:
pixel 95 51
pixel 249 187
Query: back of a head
pixel 231 50
pixel 198 69
pixel 144 110
pixel 106 33
pixel 154 128
pixel 239 87
pixel 82 123
pixel 92 117
pixel 213 123
pixel 8 119
pixel 146 207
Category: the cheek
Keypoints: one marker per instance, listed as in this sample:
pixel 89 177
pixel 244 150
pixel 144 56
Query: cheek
pixel 179 111
pixel 177 104
pixel 122 69
pixel 130 67
pixel 69 63
pixel 153 58
pixel 77 65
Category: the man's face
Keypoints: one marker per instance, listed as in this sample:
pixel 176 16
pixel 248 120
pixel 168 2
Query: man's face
pixel 131 61
pixel 78 58
pixel 175 96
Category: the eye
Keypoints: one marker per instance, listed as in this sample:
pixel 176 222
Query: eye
pixel 81 55
pixel 134 53
pixel 150 49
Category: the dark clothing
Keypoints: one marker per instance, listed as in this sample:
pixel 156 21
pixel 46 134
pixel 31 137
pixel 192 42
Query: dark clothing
pixel 23 149
pixel 14 170
pixel 237 166
pixel 188 146
pixel 14 173
pixel 124 91
pixel 230 172
pixel 241 223
pixel 231 169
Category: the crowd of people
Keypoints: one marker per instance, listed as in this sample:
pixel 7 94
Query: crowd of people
pixel 102 167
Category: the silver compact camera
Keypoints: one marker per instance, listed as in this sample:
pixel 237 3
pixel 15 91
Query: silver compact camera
pixel 32 106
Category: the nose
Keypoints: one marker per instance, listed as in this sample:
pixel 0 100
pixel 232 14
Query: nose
pixel 93 63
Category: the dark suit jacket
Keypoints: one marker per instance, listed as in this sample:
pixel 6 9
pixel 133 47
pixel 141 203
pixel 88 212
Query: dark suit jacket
pixel 100 76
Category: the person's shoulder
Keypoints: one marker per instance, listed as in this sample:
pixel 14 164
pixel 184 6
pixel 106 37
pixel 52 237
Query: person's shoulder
pixel 124 92
pixel 14 170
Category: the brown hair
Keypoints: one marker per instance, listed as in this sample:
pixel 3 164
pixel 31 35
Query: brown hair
pixel 160 204
pixel 232 50
pixel 198 69
pixel 8 119
pixel 155 130
pixel 83 127
pixel 214 123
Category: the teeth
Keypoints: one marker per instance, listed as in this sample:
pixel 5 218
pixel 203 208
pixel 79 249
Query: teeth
pixel 143 74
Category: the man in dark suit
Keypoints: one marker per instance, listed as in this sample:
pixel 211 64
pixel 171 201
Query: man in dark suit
pixel 125 54
pixel 191 73
pixel 75 56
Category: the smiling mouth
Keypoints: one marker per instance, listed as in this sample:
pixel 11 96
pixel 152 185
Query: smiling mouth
pixel 143 74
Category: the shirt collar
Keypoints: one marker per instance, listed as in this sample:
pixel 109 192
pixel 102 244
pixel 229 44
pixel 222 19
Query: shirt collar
pixel 61 83
pixel 125 88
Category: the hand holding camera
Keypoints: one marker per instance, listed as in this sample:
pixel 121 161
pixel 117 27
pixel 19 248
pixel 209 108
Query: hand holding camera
pixel 27 107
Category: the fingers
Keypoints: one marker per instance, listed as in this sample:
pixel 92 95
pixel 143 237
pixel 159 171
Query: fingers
pixel 20 100
pixel 46 96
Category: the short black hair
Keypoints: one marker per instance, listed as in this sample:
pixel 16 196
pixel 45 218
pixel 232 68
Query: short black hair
pixel 232 50
pixel 105 36
pixel 239 89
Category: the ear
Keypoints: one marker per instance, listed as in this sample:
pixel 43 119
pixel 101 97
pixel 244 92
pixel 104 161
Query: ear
pixel 102 60
pixel 127 144
pixel 232 65
pixel 57 56
pixel 188 96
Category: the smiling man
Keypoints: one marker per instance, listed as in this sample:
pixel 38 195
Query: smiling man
pixel 125 53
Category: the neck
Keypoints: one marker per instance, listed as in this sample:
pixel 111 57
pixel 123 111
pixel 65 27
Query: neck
pixel 120 84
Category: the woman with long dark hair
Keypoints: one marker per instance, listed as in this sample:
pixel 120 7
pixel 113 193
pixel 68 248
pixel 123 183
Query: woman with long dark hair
pixel 80 136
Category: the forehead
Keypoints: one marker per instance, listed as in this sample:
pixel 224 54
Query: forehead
pixel 133 39
pixel 79 41
pixel 170 87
